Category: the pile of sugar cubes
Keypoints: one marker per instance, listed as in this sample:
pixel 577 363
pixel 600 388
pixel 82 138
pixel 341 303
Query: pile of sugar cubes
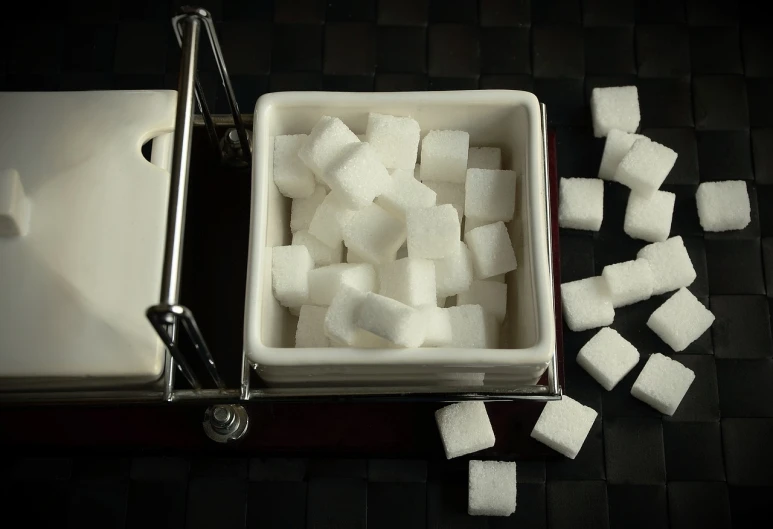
pixel 377 258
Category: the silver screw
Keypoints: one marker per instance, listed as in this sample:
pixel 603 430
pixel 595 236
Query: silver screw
pixel 223 416
pixel 233 137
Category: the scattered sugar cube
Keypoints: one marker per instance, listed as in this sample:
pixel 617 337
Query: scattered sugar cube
pixel 329 220
pixel 616 147
pixel 663 383
pixel 341 317
pixel 649 219
pixel 587 304
pixel 723 206
pixel 490 295
pixel 303 209
pixel 484 158
pixel 437 323
pixel 391 320
pixel 492 251
pixel 453 273
pixel 629 282
pixel 464 428
pixel 608 357
pixel 15 207
pixel 615 107
pixel 404 193
pixel 357 176
pixel 324 282
pixel 410 281
pixel 448 193
pixel 395 139
pixel 322 254
pixel 564 425
pixel 470 223
pixel 645 167
pixel 374 234
pixel 491 488
pixel 432 232
pixel 325 144
pixel 444 156
pixel 311 327
pixel 473 328
pixel 291 175
pixel 290 268
pixel 489 194
pixel 581 203
pixel 670 263
pixel 681 320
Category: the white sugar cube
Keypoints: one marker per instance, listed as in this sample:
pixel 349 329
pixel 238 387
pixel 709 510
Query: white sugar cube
pixel 473 328
pixel 444 156
pixel 391 320
pixel 404 193
pixel 291 175
pixel 492 251
pixel 723 206
pixel 581 203
pixel 490 295
pixel 395 140
pixel 448 193
pixel 311 327
pixel 454 272
pixel 325 144
pixel 303 209
pixel 645 167
pixel 663 383
pixel 357 176
pixel 341 316
pixel 616 147
pixel 374 234
pixel 410 281
pixel 437 325
pixel 608 357
pixel 290 268
pixel 489 194
pixel 329 220
pixel 432 232
pixel 670 263
pixel 629 282
pixel 15 207
pixel 322 254
pixel 464 428
pixel 470 223
pixel 491 488
pixel 615 107
pixel 564 425
pixel 587 304
pixel 324 282
pixel 649 219
pixel 681 320
pixel 484 158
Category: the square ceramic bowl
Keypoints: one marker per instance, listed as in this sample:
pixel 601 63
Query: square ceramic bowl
pixel 507 119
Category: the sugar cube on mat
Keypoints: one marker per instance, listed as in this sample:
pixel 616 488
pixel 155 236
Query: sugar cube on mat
pixel 329 220
pixel 649 219
pixel 473 328
pixel 357 176
pixel 341 317
pixel 616 107
pixel 663 383
pixel 587 304
pixel 432 232
pixel 395 140
pixel 437 326
pixel 303 209
pixel 608 357
pixel 324 282
pixel 15 206
pixel 489 194
pixel 325 144
pixel 322 254
pixel 404 193
pixel 310 331
pixel 563 425
pixel 681 320
pixel 629 282
pixel 616 147
pixel 391 320
pixel 470 223
pixel 410 281
pixel 444 156
pixel 484 158
pixel 290 268
pixel 723 206
pixel 448 193
pixel 670 263
pixel 464 428
pixel 492 251
pixel 491 488
pixel 581 203
pixel 291 175
pixel 374 234
pixel 490 295
pixel 645 167
pixel 454 272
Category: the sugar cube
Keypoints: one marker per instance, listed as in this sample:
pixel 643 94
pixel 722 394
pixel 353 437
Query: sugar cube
pixel 615 107
pixel 303 209
pixel 432 232
pixel 437 326
pixel 587 304
pixel 723 206
pixel 470 223
pixel 492 251
pixel 564 425
pixel 649 219
pixel 616 147
pixel 489 194
pixel 324 282
pixel 670 263
pixel 581 203
pixel 473 328
pixel 491 488
pixel 484 158
pixel 322 254
pixel 311 327
pixel 444 156
pixel 448 193
pixel 490 295
pixel 395 139
pixel 291 175
pixel 663 383
pixel 404 193
pixel 357 176
pixel 290 268
pixel 341 317
pixel 391 320
pixel 645 167
pixel 329 220
pixel 464 428
pixel 629 282
pixel 15 207
pixel 410 281
pixel 325 144
pixel 453 273
pixel 374 234
pixel 681 320
pixel 608 357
